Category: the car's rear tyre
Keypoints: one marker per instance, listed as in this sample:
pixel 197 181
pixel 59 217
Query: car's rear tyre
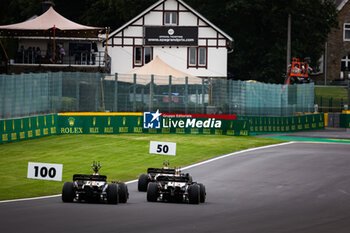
pixel 193 194
pixel 152 192
pixel 112 194
pixel 143 182
pixel 202 193
pixel 68 192
pixel 123 193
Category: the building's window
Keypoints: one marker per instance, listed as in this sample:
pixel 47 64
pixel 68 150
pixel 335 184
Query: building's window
pixel 345 63
pixel 142 55
pixel 138 56
pixel 170 18
pixel 346 31
pixel 148 55
pixel 193 56
pixel 197 57
pixel 202 56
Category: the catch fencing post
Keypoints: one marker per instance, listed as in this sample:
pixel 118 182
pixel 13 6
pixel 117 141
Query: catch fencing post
pixel 134 95
pixel 77 77
pixel 169 95
pixel 115 108
pixel 151 93
pixel 203 106
pixel 186 94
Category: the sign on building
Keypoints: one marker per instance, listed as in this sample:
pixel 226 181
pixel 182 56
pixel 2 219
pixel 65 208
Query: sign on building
pixel 171 36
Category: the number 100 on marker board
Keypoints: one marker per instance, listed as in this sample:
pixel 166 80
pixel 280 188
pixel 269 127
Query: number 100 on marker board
pixel 45 171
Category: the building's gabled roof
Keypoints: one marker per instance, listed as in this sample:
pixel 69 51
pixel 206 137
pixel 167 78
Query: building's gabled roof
pixel 340 4
pixel 182 3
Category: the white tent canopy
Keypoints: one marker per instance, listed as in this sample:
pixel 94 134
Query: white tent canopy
pixel 46 21
pixel 50 20
pixel 161 72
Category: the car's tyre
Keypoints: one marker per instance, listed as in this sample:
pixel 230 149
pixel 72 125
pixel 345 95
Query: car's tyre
pixel 193 194
pixel 112 194
pixel 202 193
pixel 68 192
pixel 152 192
pixel 143 182
pixel 123 193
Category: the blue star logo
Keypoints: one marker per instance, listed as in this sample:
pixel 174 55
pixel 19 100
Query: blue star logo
pixel 151 120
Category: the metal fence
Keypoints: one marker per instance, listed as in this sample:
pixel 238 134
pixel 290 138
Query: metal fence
pixel 71 58
pixel 31 94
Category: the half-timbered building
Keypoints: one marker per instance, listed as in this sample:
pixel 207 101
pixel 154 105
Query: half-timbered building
pixel 177 34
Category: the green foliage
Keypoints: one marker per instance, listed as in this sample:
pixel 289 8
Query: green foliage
pixel 123 157
pixel 259 28
pixel 331 92
pixel 68 104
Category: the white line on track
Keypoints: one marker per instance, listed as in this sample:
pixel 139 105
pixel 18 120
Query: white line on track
pixel 184 168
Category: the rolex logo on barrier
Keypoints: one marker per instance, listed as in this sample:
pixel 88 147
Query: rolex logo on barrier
pixel 71 121
pixel 71 129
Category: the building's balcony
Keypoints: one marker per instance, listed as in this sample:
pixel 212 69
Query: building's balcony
pixel 34 62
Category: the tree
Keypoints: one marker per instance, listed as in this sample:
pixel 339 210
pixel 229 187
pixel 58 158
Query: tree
pixel 259 28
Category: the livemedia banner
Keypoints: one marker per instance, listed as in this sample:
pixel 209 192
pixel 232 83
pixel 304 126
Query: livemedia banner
pixel 197 124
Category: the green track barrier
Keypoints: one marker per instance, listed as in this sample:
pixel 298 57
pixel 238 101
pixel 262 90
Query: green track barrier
pixel 263 125
pixel 100 124
pixel 134 124
pixel 28 128
pixel 345 120
pixel 33 127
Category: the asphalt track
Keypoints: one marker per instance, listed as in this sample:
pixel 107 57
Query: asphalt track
pixel 296 187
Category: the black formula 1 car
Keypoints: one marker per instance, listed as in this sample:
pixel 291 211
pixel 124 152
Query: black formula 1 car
pixel 151 175
pixel 177 188
pixel 94 188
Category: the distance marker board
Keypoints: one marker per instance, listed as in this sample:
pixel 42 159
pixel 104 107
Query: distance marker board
pixel 45 171
pixel 162 148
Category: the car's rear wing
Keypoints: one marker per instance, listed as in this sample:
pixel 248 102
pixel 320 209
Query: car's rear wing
pixel 160 171
pixel 89 177
pixel 173 178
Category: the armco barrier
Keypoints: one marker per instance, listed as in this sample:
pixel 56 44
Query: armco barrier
pixel 28 128
pixel 263 125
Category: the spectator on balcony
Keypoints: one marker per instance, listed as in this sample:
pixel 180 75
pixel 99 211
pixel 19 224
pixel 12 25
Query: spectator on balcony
pixel 38 55
pixel 20 54
pixel 29 55
pixel 61 53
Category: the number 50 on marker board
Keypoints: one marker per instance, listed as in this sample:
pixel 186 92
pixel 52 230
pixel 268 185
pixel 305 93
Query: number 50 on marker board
pixel 163 148
pixel 45 171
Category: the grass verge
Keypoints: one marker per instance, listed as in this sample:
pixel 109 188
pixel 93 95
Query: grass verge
pixel 331 92
pixel 123 157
